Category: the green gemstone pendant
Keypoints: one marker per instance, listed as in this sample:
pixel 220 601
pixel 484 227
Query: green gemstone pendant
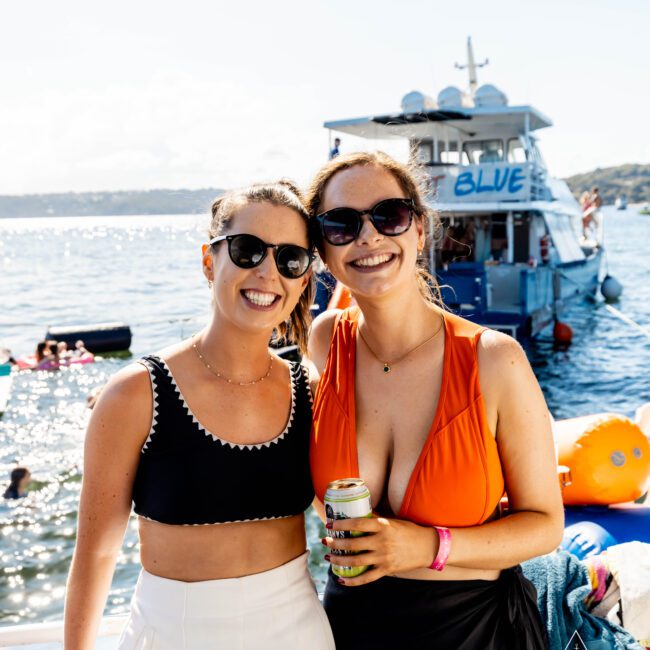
pixel 386 368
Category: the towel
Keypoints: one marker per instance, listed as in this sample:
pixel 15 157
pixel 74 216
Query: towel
pixel 562 584
pixel 630 565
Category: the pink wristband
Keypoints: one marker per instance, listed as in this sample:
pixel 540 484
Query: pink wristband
pixel 444 546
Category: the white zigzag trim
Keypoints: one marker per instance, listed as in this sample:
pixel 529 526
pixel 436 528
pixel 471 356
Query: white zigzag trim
pixel 154 415
pixel 217 523
pixel 232 445
pixel 305 376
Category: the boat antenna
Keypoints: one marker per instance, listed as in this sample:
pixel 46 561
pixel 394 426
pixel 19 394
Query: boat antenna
pixel 471 66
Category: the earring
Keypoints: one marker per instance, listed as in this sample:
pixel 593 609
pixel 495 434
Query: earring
pixel 209 284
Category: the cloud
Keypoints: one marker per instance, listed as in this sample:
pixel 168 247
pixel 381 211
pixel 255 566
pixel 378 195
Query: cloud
pixel 172 130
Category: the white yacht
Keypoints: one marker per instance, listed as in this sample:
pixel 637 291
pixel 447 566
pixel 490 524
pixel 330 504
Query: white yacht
pixel 513 254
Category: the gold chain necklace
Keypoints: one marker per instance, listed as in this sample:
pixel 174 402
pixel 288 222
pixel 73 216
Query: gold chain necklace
pixel 388 364
pixel 221 376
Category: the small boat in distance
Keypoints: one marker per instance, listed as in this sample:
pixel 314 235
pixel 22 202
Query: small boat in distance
pixel 515 252
pixel 620 203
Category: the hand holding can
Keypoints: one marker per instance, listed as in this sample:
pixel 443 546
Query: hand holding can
pixel 347 499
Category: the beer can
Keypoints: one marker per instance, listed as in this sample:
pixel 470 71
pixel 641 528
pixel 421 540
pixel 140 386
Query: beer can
pixel 347 498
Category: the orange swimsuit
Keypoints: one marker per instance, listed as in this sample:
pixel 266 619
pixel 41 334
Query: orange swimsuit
pixel 458 479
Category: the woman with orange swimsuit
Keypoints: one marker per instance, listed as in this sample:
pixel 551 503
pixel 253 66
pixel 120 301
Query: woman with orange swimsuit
pixel 440 417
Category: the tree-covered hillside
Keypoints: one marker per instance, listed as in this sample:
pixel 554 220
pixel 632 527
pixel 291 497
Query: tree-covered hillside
pixel 630 181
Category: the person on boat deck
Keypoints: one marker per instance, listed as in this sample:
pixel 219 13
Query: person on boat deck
pixel 209 439
pixel 491 153
pixel 587 212
pixel 437 415
pixel 335 150
pixel 19 480
pixel 596 199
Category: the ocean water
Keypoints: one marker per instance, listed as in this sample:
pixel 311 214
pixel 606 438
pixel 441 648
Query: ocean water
pixel 145 271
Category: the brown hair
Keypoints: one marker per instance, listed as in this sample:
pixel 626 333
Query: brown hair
pixel 412 180
pixel 283 193
pixel 17 475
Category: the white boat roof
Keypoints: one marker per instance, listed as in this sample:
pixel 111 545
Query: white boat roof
pixel 473 122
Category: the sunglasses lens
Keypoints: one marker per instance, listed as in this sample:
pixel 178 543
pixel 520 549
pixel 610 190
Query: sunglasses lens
pixel 392 217
pixel 340 226
pixel 247 251
pixel 293 261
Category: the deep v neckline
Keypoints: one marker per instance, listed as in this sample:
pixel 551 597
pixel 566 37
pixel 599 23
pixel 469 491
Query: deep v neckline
pixel 354 452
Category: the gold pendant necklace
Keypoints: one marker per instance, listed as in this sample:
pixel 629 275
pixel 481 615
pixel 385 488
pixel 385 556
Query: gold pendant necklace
pixel 216 373
pixel 389 364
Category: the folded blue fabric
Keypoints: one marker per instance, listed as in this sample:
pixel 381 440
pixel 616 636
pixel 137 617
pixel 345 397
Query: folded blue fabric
pixel 562 583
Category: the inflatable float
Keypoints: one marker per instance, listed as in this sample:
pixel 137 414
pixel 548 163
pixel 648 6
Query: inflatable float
pixel 29 362
pixel 604 470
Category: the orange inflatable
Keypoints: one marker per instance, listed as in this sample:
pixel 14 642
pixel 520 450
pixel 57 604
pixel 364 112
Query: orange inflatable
pixel 608 458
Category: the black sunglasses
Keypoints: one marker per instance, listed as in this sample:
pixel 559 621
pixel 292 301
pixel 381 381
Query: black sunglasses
pixel 248 251
pixel 340 226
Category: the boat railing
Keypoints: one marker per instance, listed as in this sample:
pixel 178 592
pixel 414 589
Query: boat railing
pixel 487 182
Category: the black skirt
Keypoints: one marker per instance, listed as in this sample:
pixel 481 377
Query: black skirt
pixel 398 613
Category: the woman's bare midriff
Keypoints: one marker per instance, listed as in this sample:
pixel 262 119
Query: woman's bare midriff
pixel 212 552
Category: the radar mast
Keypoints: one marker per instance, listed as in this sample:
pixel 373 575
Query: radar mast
pixel 471 66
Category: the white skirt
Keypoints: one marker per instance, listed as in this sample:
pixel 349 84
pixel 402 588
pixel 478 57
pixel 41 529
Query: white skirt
pixel 274 609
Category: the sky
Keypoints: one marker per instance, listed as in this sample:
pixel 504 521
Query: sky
pixel 143 95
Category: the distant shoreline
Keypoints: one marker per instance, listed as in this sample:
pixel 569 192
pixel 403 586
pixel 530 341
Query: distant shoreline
pixel 109 204
pixel 631 181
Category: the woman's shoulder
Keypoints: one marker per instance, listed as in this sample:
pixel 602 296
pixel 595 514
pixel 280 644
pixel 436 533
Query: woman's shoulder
pixel 128 386
pixel 461 327
pixel 502 362
pixel 320 336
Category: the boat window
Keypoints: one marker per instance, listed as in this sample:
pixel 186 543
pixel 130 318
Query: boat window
pixel 521 237
pixel 499 238
pixel 483 151
pixel 458 242
pixel 516 151
pixel 449 152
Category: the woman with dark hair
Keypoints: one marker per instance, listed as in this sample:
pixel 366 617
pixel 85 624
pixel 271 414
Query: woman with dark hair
pixel 42 350
pixel 209 439
pixel 19 480
pixel 439 416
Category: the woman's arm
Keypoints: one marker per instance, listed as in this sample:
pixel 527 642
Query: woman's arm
pixel 118 427
pixel 536 520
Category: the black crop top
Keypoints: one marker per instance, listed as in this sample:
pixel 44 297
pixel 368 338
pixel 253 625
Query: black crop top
pixel 189 476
